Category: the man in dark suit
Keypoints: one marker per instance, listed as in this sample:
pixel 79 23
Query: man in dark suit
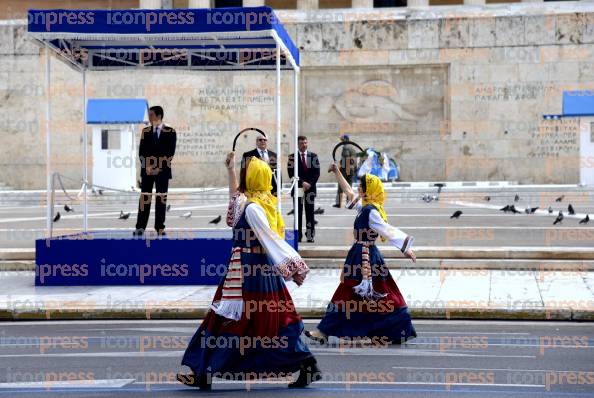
pixel 156 150
pixel 262 152
pixel 308 171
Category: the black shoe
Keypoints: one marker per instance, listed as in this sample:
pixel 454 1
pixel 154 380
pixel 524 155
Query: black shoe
pixel 202 382
pixel 310 240
pixel 320 340
pixel 337 206
pixel 138 232
pixel 308 374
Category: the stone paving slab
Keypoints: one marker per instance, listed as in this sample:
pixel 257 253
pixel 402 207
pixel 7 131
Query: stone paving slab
pixel 456 294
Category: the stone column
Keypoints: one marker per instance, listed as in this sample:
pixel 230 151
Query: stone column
pixel 362 3
pixel 254 3
pixel 199 4
pixel 150 4
pixel 307 4
pixel 417 3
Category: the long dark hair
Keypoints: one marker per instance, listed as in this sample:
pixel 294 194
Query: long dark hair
pixel 363 183
pixel 242 175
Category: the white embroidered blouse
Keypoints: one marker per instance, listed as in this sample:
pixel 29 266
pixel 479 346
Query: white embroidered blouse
pixel 395 236
pixel 280 253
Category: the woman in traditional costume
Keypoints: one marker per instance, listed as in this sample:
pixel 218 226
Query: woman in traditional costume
pixel 368 303
pixel 252 329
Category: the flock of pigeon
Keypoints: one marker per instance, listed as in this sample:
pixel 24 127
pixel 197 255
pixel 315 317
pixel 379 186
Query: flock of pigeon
pixel 187 215
pixel 528 210
pixel 426 198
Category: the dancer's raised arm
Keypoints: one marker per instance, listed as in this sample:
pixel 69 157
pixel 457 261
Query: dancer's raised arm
pixel 232 177
pixel 344 185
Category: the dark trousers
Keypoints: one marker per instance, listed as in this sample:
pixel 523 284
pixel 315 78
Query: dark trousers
pixel 310 228
pixel 144 204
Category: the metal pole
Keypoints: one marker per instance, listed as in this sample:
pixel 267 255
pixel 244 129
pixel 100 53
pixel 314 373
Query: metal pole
pixel 48 168
pixel 85 144
pixel 296 163
pixel 278 127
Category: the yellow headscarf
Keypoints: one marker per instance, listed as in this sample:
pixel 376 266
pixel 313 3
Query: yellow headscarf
pixel 375 194
pixel 258 187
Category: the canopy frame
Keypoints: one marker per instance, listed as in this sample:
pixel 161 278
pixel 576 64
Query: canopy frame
pixel 56 42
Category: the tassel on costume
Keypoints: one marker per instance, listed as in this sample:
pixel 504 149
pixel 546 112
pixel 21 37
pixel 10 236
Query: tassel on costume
pixel 365 288
pixel 231 309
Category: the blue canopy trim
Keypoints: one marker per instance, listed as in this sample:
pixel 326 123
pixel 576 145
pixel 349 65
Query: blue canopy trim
pixel 576 104
pixel 222 38
pixel 117 111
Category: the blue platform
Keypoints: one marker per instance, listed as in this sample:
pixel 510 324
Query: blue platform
pixel 184 257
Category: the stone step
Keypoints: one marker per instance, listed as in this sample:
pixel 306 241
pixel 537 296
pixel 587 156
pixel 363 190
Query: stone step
pixel 325 191
pixel 446 265
pixel 423 252
pixel 458 252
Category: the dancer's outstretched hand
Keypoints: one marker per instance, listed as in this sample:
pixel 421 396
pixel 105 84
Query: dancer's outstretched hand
pixel 298 279
pixel 230 160
pixel 411 254
pixel 333 168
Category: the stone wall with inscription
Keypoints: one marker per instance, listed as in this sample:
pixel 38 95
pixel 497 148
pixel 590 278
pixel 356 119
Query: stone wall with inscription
pixel 452 93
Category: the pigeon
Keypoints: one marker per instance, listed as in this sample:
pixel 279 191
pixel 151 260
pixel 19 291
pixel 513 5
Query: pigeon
pixel 124 216
pixel 427 198
pixel 516 198
pixel 560 198
pixel 570 210
pixel 100 191
pixel 168 207
pixel 319 210
pixel 57 217
pixel 68 209
pixel 215 221
pixel 550 210
pixel 559 218
pixel 487 198
pixel 585 219
pixel 533 209
pixel 439 187
pixel 187 215
pixel 513 209
pixel 456 214
pixel 290 212
pixel 527 210
pixel 505 209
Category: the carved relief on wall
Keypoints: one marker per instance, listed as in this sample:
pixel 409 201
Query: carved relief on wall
pixel 366 100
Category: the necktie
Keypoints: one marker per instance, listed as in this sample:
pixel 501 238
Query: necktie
pixel 156 134
pixel 303 162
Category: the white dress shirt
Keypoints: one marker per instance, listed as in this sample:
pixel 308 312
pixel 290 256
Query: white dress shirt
pixel 159 128
pixel 264 155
